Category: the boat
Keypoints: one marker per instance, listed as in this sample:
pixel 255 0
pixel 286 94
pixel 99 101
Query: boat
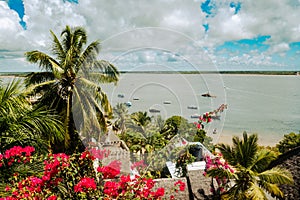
pixel 153 110
pixel 121 95
pixel 136 98
pixel 208 95
pixel 192 107
pixel 195 116
pixel 167 102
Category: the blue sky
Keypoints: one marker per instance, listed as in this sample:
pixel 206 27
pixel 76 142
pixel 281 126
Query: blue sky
pixel 235 35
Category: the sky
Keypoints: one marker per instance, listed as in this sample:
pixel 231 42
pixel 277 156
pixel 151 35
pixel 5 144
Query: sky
pixel 224 35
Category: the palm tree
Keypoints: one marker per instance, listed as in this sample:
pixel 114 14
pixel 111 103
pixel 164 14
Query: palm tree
pixel 70 83
pixel 22 124
pixel 121 114
pixel 252 176
pixel 141 120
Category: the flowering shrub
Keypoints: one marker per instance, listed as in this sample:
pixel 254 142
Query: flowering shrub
pixel 219 169
pixel 17 154
pixel 111 170
pixel 86 184
pixel 60 176
pixel 132 188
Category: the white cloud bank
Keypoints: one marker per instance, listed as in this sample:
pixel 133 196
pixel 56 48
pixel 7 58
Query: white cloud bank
pixel 103 18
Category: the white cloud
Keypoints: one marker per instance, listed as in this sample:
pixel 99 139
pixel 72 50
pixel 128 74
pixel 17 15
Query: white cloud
pixel 103 19
pixel 10 29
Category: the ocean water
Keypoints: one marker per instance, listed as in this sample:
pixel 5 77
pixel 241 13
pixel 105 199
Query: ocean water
pixel 268 105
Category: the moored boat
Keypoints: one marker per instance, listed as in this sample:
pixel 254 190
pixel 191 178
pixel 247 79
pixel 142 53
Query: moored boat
pixel 153 110
pixel 195 116
pixel 192 107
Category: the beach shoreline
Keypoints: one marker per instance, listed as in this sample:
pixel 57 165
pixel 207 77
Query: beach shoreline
pixel 246 73
pixel 263 140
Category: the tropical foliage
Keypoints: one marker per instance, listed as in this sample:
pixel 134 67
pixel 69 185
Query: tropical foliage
pixel 289 142
pixel 70 83
pixel 251 177
pixel 23 124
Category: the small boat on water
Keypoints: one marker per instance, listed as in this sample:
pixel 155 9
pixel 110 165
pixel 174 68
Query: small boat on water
pixel 121 95
pixel 153 110
pixel 192 107
pixel 136 98
pixel 208 95
pixel 195 116
pixel 167 102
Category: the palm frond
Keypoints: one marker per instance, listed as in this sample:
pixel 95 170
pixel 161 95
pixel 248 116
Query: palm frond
pixel 262 160
pixel 245 149
pixel 39 87
pixel 80 38
pixel 42 59
pixel 57 48
pixel 255 192
pixel 86 59
pixel 38 77
pixel 108 72
pixel 85 113
pixel 272 189
pixel 227 153
pixel 66 35
pixel 276 175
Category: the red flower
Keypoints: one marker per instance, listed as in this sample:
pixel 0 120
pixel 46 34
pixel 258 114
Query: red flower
pixel 159 192
pixel 53 197
pixel 86 154
pixel 180 184
pixel 111 189
pixel 85 184
pixel 111 170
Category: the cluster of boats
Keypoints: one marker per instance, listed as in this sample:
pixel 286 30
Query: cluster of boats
pixel 192 107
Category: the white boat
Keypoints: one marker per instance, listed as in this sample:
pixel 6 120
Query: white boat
pixel 153 110
pixel 195 116
pixel 192 107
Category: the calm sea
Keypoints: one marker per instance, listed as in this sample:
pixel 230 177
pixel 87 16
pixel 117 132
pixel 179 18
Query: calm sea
pixel 264 104
pixel 268 105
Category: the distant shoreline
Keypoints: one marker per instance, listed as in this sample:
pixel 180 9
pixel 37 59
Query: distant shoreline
pixel 23 74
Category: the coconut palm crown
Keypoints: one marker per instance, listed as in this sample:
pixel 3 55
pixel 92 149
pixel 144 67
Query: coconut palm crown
pixel 70 80
pixel 252 178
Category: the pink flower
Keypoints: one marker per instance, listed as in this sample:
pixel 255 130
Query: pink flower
pixel 7 188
